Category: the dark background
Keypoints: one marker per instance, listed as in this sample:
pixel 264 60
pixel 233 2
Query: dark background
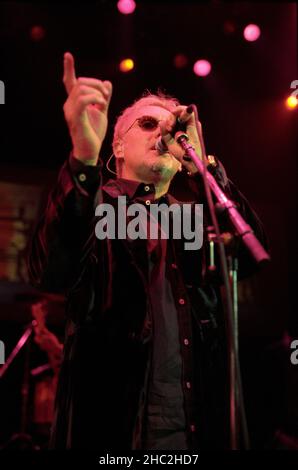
pixel 246 124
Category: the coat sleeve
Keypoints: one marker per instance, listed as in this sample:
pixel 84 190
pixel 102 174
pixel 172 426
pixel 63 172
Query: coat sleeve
pixel 60 240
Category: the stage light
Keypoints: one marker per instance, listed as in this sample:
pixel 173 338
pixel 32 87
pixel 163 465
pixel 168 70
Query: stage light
pixel 180 61
pixel 251 32
pixel 202 68
pixel 37 33
pixel 126 65
pixel 126 6
pixel 229 27
pixel 291 102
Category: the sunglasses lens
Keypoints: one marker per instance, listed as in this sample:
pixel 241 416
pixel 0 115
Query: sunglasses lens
pixel 148 123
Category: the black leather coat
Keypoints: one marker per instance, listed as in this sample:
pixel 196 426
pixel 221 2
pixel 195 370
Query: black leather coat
pixel 102 386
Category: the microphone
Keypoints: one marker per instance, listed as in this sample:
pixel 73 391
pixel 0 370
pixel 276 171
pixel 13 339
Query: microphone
pixel 160 145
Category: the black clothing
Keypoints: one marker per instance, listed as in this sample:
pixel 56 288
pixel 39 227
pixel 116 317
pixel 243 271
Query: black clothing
pixel 122 301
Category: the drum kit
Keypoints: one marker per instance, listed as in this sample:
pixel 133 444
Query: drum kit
pixel 38 384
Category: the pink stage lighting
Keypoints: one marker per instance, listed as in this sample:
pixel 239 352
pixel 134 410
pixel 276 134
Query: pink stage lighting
pixel 251 32
pixel 202 68
pixel 126 6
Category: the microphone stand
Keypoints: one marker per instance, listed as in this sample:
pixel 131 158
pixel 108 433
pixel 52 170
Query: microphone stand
pixel 22 437
pixel 242 229
pixel 245 233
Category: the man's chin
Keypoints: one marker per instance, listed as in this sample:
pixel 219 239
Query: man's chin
pixel 163 169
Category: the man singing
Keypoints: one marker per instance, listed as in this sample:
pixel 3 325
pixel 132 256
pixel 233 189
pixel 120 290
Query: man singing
pixel 144 356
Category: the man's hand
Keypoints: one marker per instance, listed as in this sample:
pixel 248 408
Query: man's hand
pixel 85 111
pixel 191 130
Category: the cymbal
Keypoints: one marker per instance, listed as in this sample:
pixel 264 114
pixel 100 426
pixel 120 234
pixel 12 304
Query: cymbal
pixel 33 297
pixel 22 292
pixel 16 300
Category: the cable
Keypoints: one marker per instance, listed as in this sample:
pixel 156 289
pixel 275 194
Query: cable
pixel 108 165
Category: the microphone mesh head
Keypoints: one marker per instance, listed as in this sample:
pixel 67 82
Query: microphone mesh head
pixel 160 146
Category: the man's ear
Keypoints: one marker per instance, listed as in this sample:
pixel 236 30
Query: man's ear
pixel 118 149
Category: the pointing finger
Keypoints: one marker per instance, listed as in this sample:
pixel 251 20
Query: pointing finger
pixel 69 75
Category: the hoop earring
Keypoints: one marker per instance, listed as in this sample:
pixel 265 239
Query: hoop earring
pixel 108 165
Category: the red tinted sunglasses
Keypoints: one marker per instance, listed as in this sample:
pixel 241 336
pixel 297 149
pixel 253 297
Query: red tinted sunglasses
pixel 146 123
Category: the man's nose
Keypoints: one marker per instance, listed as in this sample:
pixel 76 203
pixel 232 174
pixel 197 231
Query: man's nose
pixel 157 132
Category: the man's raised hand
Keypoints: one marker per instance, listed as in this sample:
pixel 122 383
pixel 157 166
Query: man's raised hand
pixel 85 111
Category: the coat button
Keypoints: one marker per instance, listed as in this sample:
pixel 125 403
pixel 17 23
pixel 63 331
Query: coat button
pixel 186 342
pixel 192 428
pixel 82 177
pixel 147 188
pixel 188 385
pixel 181 301
pixel 147 202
